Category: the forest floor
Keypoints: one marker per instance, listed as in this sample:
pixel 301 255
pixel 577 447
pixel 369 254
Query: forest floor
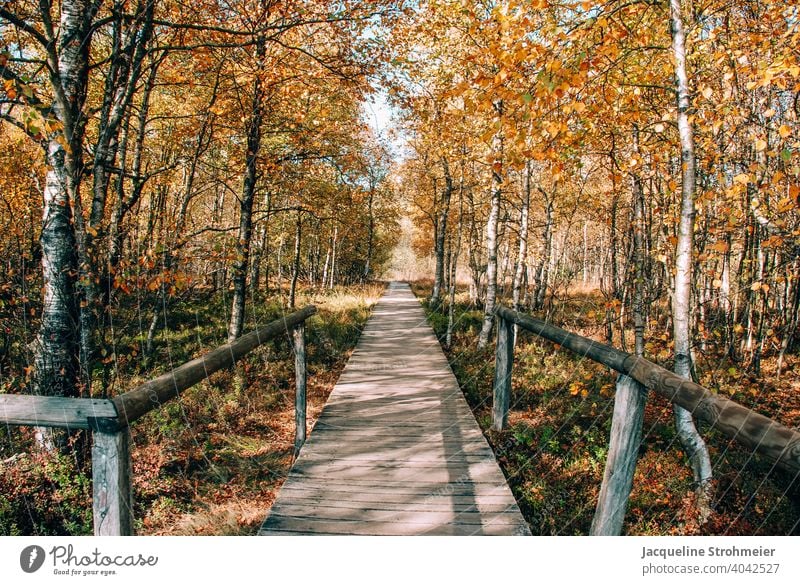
pixel 210 463
pixel 554 450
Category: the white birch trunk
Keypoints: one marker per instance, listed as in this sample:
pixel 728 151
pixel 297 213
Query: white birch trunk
pixel 693 444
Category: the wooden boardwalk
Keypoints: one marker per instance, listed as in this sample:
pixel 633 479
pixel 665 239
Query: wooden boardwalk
pixel 396 450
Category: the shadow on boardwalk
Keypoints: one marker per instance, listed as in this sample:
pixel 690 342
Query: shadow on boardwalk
pixel 396 451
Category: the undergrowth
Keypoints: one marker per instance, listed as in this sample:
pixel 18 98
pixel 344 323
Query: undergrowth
pixel 211 461
pixel 554 449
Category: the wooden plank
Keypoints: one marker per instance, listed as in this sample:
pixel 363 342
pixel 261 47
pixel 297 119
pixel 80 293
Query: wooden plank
pixel 434 459
pixel 399 474
pixel 156 392
pixel 112 499
pixel 390 432
pixel 53 411
pixel 402 501
pixel 448 465
pixel 280 524
pixel 420 486
pixel 755 431
pixel 396 450
pixel 454 503
pixel 423 517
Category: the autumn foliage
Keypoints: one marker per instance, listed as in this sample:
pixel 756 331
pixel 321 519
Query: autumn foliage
pixel 183 156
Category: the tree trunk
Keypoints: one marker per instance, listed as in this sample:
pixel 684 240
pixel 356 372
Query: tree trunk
pixel 543 270
pixel 491 235
pixel 124 204
pixel 451 304
pixel 243 242
pixel 56 357
pixel 298 235
pixel 324 282
pixel 522 253
pixel 693 444
pixel 261 246
pixel 370 233
pixel 441 234
pixel 332 275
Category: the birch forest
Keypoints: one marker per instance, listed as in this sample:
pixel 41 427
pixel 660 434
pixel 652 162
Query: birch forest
pixel 173 175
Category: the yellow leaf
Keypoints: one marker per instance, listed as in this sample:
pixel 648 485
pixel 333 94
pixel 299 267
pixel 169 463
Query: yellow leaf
pixel 576 388
pixel 742 179
pixel 784 131
pixel 761 144
pixel 756 285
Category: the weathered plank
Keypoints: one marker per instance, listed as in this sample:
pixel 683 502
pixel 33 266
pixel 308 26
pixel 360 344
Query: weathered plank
pixel 53 411
pixel 396 450
pixel 427 504
pixel 444 527
pixel 424 517
pixel 112 501
pixel 583 346
pixel 421 485
pixel 156 392
pixel 755 431
pixel 430 459
pixel 464 497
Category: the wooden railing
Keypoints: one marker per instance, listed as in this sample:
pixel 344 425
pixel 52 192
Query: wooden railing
pixel 755 431
pixel 109 419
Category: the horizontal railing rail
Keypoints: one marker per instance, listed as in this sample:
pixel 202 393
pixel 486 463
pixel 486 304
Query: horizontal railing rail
pixel 110 419
pixel 755 431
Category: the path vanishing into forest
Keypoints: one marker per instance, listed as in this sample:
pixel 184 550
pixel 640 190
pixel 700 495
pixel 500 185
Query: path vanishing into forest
pixel 396 450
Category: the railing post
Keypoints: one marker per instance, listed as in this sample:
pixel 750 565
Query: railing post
pixel 503 364
pixel 299 338
pixel 112 501
pixel 623 451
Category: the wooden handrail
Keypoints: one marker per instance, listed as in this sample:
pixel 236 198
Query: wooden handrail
pixel 775 441
pixel 112 499
pixel 54 411
pixel 154 393
pixel 756 431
